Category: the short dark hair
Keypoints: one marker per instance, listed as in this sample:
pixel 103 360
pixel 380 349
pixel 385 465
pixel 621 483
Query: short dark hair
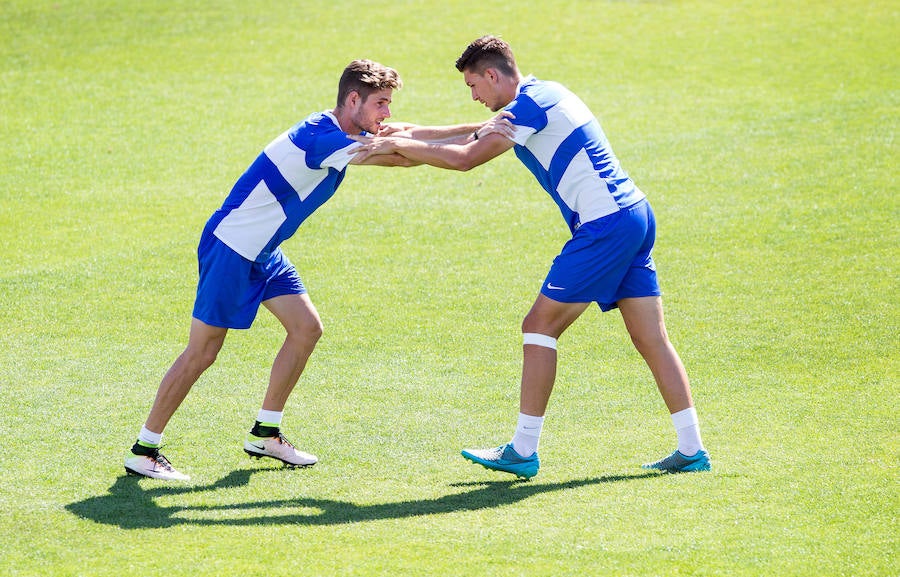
pixel 366 77
pixel 487 52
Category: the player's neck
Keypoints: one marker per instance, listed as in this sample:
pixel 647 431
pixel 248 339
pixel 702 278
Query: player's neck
pixel 510 86
pixel 345 121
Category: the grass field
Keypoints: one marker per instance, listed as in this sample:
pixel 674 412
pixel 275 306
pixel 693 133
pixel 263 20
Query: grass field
pixel 763 133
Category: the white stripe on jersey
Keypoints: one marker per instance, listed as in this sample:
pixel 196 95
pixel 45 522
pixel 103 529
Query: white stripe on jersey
pixel 581 177
pixel 564 117
pixel 339 159
pixel 248 228
pixel 291 163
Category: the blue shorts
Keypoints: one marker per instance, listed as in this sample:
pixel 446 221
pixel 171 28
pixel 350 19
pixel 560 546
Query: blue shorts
pixel 231 288
pixel 607 260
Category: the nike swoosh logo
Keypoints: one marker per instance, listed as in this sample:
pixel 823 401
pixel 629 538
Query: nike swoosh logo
pixel 554 288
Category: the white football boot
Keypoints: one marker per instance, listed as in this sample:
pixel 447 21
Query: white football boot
pixel 153 465
pixel 278 448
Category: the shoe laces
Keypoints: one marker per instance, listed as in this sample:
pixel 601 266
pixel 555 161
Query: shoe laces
pixel 283 440
pixel 160 460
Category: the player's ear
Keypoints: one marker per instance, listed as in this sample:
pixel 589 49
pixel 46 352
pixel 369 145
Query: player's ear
pixel 349 99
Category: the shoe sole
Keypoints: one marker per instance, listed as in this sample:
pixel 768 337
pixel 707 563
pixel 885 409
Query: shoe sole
pixel 134 473
pixel 692 468
pixel 255 455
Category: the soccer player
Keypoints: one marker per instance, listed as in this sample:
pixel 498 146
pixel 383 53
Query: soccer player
pixel 241 264
pixel 607 260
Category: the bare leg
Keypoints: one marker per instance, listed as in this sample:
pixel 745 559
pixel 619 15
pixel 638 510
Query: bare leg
pixel 203 346
pixel 547 318
pixel 550 318
pixel 644 320
pixel 304 327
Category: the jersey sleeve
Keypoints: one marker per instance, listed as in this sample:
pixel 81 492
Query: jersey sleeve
pixel 332 149
pixel 529 118
pixel 340 158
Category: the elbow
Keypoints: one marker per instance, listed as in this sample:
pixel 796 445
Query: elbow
pixel 463 164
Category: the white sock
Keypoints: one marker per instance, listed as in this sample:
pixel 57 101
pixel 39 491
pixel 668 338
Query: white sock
pixel 687 426
pixel 149 438
pixel 528 434
pixel 270 418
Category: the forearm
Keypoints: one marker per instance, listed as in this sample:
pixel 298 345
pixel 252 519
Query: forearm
pixel 456 133
pixel 440 154
pixel 466 151
pixel 394 159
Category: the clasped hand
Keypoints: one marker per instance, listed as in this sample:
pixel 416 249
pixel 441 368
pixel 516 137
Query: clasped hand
pixel 389 138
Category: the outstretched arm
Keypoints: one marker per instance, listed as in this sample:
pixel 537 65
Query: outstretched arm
pixel 430 133
pixel 383 160
pixel 456 133
pixel 443 155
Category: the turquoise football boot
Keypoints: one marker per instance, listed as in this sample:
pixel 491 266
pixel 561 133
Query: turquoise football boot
pixel 504 458
pixel 679 463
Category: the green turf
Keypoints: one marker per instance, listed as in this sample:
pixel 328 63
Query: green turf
pixel 763 133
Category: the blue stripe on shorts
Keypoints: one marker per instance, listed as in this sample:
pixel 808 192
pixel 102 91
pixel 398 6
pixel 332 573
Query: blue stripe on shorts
pixel 607 260
pixel 231 288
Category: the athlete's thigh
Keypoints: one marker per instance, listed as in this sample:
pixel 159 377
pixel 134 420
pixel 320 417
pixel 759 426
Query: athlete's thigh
pixel 295 311
pixel 205 337
pixel 643 317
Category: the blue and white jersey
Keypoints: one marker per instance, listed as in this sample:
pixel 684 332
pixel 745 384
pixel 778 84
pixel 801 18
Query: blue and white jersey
pixel 295 174
pixel 561 142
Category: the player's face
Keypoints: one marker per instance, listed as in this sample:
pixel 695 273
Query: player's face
pixel 371 112
pixel 485 88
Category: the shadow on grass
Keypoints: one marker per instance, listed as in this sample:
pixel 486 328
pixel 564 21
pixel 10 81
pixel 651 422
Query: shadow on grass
pixel 130 506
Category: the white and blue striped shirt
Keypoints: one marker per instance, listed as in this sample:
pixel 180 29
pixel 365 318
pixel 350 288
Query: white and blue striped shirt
pixel 295 174
pixel 562 144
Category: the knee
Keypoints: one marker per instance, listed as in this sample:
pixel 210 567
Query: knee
pixel 547 317
pixel 533 324
pixel 308 333
pixel 315 330
pixel 202 357
pixel 647 342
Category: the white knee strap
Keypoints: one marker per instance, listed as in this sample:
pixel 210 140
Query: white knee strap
pixel 539 340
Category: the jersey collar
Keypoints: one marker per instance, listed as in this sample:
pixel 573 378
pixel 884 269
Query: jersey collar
pixel 524 82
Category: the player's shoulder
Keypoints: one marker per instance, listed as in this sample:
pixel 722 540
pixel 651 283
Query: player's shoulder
pixel 324 121
pixel 316 124
pixel 319 130
pixel 543 91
